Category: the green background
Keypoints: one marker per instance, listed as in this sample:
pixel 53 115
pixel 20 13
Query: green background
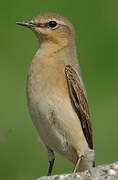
pixel 22 157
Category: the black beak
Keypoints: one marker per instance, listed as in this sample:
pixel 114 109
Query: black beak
pixel 27 24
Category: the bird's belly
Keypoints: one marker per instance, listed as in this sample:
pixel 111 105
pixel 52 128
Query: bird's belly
pixel 56 123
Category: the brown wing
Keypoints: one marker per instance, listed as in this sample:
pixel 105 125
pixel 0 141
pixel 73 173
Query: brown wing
pixel 79 102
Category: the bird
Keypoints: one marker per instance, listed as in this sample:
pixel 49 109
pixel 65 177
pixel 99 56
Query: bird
pixel 56 94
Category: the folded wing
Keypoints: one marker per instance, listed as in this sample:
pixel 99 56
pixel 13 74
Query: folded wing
pixel 79 102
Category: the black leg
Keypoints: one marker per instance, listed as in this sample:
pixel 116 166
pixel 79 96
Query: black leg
pixel 50 167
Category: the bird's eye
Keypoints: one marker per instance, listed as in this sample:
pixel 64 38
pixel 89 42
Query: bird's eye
pixel 52 24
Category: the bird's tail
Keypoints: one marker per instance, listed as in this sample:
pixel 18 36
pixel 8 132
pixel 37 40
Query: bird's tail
pixel 94 163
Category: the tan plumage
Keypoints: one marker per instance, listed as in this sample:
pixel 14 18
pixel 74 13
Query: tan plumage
pixel 56 95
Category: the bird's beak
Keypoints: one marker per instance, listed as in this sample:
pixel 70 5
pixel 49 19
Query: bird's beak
pixel 27 24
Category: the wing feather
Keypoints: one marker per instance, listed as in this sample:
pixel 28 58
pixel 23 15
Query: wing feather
pixel 79 102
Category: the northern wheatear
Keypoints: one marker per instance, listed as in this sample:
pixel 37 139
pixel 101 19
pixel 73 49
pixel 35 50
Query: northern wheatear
pixel 56 95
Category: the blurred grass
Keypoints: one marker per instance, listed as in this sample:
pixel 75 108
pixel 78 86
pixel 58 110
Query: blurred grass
pixel 21 156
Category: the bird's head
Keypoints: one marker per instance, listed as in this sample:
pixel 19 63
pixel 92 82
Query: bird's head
pixel 51 27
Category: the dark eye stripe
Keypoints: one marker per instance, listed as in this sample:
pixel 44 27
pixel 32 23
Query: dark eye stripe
pixel 41 25
pixel 50 24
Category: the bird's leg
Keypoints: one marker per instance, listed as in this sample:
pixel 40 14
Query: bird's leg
pixel 78 163
pixel 51 158
pixel 50 167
